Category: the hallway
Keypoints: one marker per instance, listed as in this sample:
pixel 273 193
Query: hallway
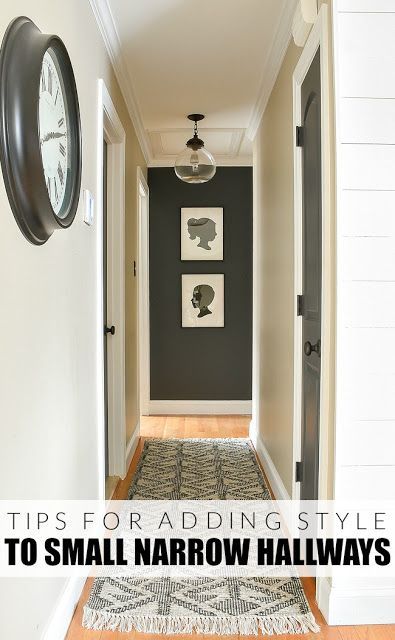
pixel 197 241
pixel 212 427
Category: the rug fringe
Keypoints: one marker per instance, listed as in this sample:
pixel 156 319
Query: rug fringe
pixel 226 625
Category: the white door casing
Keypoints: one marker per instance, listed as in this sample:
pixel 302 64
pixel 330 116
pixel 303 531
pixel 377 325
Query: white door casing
pixel 143 292
pixel 110 128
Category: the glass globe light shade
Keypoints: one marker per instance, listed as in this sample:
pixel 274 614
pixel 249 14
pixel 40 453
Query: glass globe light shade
pixel 195 165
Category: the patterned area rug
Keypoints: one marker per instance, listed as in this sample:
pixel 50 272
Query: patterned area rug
pixel 206 469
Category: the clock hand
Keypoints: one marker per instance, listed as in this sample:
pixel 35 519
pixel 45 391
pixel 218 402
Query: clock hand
pixel 52 135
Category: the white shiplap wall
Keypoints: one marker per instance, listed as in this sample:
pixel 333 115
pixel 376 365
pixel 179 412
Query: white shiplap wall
pixel 364 48
pixel 365 119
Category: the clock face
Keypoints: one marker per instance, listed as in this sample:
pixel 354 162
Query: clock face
pixel 54 133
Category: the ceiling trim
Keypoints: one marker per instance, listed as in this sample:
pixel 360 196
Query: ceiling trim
pixel 237 139
pixel 156 144
pixel 202 130
pixel 160 158
pixel 220 161
pixel 108 30
pixel 273 64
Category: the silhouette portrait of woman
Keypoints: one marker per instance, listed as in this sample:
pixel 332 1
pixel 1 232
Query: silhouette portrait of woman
pixel 204 229
pixel 202 297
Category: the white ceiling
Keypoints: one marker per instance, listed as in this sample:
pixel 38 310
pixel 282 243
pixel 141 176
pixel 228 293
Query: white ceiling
pixel 216 57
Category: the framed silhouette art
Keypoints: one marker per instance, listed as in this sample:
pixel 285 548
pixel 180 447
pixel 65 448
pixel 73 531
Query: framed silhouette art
pixel 203 300
pixel 202 233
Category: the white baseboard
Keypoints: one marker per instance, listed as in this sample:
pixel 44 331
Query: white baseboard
pixel 199 407
pixel 253 432
pixel 350 606
pixel 277 485
pixel 59 622
pixel 131 446
pixel 323 589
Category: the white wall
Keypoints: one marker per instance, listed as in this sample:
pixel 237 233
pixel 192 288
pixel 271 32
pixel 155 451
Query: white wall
pixel 365 91
pixel 50 326
pixel 365 399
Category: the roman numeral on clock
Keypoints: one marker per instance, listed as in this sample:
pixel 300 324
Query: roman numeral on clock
pixel 61 122
pixel 43 83
pixel 60 173
pixel 62 149
pixel 50 81
pixel 49 187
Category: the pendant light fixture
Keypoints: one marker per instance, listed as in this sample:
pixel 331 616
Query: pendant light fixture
pixel 195 164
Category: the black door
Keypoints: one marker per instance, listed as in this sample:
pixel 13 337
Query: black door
pixel 105 302
pixel 312 267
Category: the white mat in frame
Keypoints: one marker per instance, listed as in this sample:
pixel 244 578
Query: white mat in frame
pixel 202 233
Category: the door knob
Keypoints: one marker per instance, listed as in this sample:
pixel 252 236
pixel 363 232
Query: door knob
pixel 309 348
pixel 109 330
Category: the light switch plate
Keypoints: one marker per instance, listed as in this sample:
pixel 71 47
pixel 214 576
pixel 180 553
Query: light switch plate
pixel 89 207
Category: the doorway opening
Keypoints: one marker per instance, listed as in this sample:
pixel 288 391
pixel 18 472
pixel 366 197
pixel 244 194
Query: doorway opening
pixel 310 88
pixel 313 272
pixel 111 220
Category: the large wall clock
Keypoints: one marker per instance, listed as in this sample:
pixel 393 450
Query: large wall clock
pixel 40 131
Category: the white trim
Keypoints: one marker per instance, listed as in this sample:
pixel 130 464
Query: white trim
pixel 304 17
pixel 256 290
pixel 109 33
pixel 101 451
pixel 318 39
pixel 273 476
pixel 231 158
pixel 323 589
pixel 220 161
pixel 278 49
pixel 199 407
pixel 132 446
pixel 143 292
pixel 350 606
pixel 106 24
pixel 253 431
pixel 111 128
pixel 59 622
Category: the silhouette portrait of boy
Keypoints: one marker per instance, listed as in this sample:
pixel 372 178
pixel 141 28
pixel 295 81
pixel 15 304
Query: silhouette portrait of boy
pixel 202 297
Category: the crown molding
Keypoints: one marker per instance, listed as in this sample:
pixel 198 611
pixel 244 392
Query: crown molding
pixel 273 64
pixel 108 30
pixel 109 33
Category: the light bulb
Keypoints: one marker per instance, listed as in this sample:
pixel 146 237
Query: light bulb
pixel 194 162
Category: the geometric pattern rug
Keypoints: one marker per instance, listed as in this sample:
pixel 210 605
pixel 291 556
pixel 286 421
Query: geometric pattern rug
pixel 199 469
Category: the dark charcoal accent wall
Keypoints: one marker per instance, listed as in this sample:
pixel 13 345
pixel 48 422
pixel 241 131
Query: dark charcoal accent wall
pixel 200 363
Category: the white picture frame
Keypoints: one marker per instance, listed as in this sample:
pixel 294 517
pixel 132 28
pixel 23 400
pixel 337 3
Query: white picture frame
pixel 202 233
pixel 203 298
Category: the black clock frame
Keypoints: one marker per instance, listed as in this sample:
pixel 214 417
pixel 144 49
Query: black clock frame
pixel 21 57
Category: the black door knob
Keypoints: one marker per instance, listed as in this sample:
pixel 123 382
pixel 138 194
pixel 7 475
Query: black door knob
pixel 109 330
pixel 309 348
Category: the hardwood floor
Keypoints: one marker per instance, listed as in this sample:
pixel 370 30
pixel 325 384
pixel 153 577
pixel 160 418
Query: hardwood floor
pixel 212 427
